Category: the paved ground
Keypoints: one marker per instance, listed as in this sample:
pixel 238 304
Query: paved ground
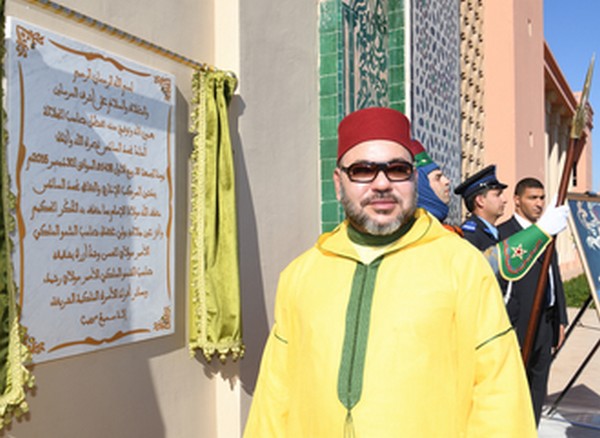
pixel 577 415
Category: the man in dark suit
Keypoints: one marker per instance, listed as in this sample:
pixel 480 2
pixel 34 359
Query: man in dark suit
pixel 484 198
pixel 529 205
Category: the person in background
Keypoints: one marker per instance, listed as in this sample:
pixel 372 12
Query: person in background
pixel 434 196
pixel 529 200
pixel 433 184
pixel 390 325
pixel 484 198
pixel 433 187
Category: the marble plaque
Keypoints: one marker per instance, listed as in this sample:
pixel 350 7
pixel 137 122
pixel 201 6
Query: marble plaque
pixel 90 161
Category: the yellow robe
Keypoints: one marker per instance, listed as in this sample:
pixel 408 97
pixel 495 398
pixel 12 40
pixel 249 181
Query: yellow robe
pixel 441 359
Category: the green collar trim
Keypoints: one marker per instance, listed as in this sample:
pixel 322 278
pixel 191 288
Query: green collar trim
pixel 339 243
pixel 364 239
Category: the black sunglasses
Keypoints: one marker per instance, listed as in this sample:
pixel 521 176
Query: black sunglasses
pixel 367 171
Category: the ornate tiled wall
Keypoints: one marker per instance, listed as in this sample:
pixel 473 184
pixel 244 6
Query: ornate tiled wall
pixel 472 85
pixel 435 86
pixel 361 65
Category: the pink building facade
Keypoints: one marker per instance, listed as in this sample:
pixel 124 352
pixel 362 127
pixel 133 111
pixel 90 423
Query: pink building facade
pixel 528 107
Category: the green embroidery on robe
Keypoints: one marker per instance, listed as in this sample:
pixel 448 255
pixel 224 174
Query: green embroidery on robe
pixel 358 317
pixel 496 336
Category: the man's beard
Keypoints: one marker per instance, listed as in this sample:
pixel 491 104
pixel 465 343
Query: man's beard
pixel 361 221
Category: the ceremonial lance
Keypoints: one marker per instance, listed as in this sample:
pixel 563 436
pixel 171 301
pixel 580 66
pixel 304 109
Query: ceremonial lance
pixel 573 151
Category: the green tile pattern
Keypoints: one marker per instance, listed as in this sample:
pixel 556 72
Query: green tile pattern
pixel 368 70
pixel 396 53
pixel 330 48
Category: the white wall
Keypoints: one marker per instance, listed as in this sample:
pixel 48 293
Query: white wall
pixel 277 156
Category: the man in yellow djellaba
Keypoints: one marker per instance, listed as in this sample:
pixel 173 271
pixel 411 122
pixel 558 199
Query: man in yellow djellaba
pixel 390 325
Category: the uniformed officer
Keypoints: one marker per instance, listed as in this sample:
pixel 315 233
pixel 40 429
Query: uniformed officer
pixel 485 200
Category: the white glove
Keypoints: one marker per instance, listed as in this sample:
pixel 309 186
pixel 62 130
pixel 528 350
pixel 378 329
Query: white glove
pixel 554 219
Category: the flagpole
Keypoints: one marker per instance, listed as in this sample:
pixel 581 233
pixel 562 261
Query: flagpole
pixel 577 126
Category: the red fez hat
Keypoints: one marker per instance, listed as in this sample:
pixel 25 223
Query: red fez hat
pixel 374 124
pixel 417 147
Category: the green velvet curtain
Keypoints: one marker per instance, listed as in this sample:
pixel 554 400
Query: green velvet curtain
pixel 14 376
pixel 215 323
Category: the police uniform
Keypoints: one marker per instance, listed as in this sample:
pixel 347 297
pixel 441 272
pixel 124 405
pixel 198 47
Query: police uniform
pixel 478 233
pixel 474 228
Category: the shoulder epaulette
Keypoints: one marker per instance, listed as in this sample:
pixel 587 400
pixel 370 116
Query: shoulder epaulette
pixel 469 226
